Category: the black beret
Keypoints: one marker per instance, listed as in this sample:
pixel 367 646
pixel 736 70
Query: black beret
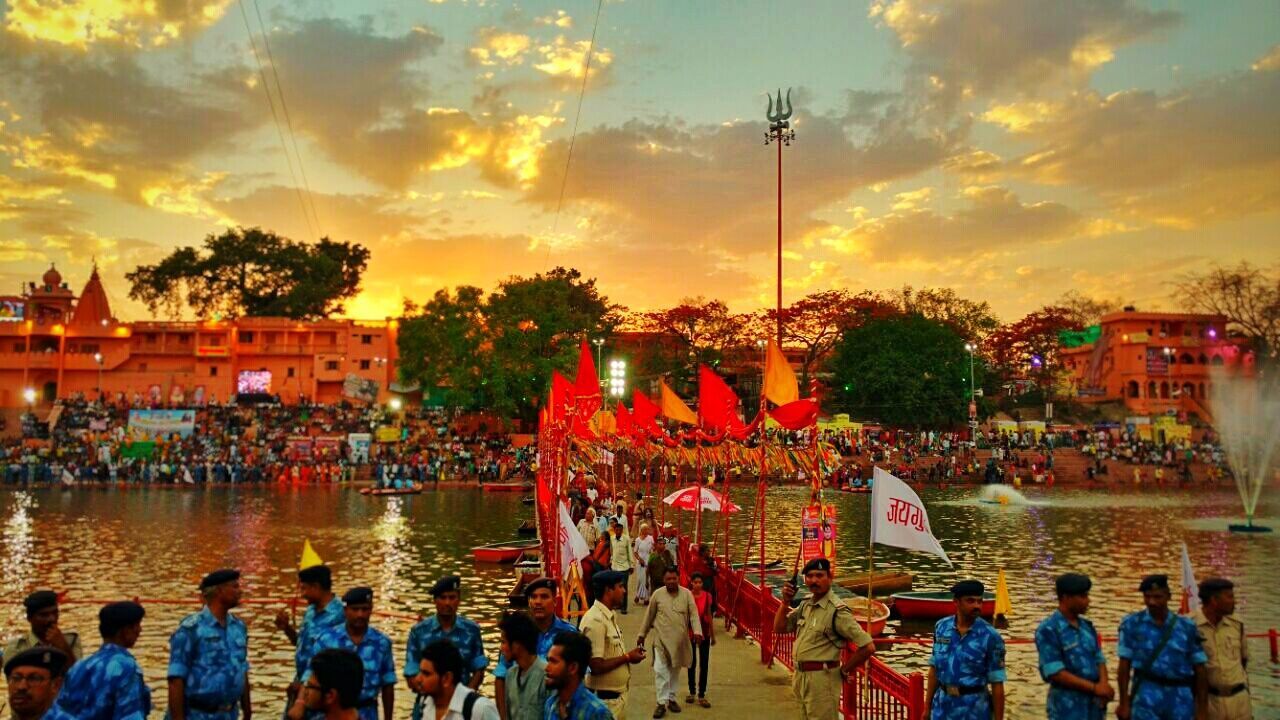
pixel 48 658
pixel 315 574
pixel 818 563
pixel 967 588
pixel 1213 586
pixel 358 596
pixel 1073 584
pixel 217 577
pixel 542 582
pixel 1154 582
pixel 608 578
pixel 39 600
pixel 448 583
pixel 119 615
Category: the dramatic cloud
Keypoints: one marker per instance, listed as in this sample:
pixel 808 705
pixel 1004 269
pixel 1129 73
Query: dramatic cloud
pixel 137 23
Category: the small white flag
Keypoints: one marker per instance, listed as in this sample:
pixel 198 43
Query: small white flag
pixel 606 458
pixel 573 547
pixel 898 517
pixel 1190 591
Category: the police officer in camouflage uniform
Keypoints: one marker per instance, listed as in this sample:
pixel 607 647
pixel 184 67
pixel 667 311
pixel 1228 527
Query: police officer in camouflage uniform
pixel 1163 650
pixel 209 656
pixel 446 624
pixel 823 625
pixel 968 656
pixel 1071 658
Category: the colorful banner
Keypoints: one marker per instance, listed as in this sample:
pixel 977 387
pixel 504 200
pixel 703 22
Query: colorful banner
pixel 388 433
pixel 162 423
pixel 818 532
pixel 360 443
pixel 358 388
pixel 138 449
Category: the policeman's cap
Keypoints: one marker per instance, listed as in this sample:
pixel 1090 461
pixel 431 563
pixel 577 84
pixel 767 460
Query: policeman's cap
pixel 117 616
pixel 448 583
pixel 315 575
pixel 540 583
pixel 1072 584
pixel 1213 586
pixel 820 563
pixel 217 577
pixel 38 657
pixel 1154 582
pixel 40 600
pixel 967 588
pixel 358 596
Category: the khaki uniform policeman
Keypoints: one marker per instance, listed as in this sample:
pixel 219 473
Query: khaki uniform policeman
pixel 1222 637
pixel 822 624
pixel 611 661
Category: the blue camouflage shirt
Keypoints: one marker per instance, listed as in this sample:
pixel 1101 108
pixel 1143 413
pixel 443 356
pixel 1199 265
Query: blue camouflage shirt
pixel 1139 638
pixel 212 660
pixel 107 685
pixel 374 651
pixel 545 641
pixel 465 635
pixel 584 705
pixel 971 660
pixel 314 624
pixel 55 713
pixel 1076 650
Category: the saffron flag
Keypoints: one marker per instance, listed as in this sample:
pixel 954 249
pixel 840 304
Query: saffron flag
pixel 717 403
pixel 573 547
pixel 780 385
pixel 561 396
pixel 625 428
pixel 310 558
pixel 796 415
pixel 1190 591
pixel 586 386
pixel 644 412
pixel 673 407
pixel 898 517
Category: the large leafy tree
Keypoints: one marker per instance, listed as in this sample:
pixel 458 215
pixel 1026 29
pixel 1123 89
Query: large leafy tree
pixel 817 321
pixel 699 331
pixel 1248 296
pixel 442 343
pixel 1029 347
pixel 256 273
pixel 972 320
pixel 905 370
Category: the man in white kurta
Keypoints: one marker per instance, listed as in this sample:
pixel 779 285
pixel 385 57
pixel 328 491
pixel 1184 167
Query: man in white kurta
pixel 674 615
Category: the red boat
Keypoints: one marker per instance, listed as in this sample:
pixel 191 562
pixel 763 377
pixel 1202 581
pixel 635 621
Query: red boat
pixel 934 605
pixel 873 621
pixel 505 487
pixel 391 491
pixel 503 552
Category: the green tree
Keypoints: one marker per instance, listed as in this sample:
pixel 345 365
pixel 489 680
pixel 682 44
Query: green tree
pixel 903 370
pixel 255 273
pixel 442 345
pixel 973 320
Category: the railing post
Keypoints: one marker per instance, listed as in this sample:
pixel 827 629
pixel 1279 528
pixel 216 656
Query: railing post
pixel 915 708
pixel 1275 644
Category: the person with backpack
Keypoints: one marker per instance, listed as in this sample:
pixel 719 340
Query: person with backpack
pixel 1162 649
pixel 439 682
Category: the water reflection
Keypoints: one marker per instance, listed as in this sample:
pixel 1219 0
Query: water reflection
pixel 157 543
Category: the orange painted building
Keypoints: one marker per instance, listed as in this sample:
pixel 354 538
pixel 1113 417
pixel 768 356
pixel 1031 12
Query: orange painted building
pixel 54 344
pixel 1157 362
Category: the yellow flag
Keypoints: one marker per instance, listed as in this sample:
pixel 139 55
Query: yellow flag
pixel 310 558
pixel 604 423
pixel 673 407
pixel 780 384
pixel 1004 606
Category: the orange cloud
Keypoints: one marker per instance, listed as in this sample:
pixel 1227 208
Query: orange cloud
pixel 137 23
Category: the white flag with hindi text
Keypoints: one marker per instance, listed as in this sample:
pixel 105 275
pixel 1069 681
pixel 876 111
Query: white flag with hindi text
pixel 1190 591
pixel 573 547
pixel 898 517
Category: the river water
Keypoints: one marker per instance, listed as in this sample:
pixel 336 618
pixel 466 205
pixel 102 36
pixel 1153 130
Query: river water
pixel 108 544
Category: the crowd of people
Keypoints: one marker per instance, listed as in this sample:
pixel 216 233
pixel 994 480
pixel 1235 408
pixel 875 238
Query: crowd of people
pixel 1168 665
pixel 93 442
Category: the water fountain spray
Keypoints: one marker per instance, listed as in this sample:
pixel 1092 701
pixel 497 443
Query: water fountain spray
pixel 1246 412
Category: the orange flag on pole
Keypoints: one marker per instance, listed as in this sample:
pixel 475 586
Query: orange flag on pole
pixel 780 385
pixel 673 407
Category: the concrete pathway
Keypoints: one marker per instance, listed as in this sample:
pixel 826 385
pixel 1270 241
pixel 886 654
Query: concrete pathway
pixel 739 686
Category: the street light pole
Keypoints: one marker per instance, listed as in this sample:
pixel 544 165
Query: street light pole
pixel 973 395
pixel 97 357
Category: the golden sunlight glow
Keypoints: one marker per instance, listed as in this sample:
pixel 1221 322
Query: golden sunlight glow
pixel 564 58
pixel 1020 116
pixel 181 197
pixel 37 153
pixel 506 47
pixel 79 23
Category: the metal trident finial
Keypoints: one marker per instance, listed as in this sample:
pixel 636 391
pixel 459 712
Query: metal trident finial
pixel 777 116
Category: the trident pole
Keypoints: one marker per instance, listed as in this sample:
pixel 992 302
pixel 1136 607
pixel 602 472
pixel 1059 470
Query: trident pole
pixel 779 133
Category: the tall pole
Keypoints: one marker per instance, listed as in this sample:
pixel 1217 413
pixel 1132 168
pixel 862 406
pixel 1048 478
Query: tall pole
pixel 780 133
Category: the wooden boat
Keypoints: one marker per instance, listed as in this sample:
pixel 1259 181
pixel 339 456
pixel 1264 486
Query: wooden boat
pixel 934 605
pixel 861 490
pixel 504 487
pixel 883 583
pixel 503 552
pixel 391 491
pixel 872 621
pixel 528 527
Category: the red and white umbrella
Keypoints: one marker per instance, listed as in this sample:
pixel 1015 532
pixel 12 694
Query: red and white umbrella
pixel 687 499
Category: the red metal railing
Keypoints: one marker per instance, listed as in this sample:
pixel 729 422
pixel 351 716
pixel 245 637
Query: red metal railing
pixel 875 691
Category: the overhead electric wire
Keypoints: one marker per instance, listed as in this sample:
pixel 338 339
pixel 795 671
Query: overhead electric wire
pixel 288 121
pixel 276 118
pixel 573 136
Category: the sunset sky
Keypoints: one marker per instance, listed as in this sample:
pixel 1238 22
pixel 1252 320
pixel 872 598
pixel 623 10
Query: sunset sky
pixel 1009 149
